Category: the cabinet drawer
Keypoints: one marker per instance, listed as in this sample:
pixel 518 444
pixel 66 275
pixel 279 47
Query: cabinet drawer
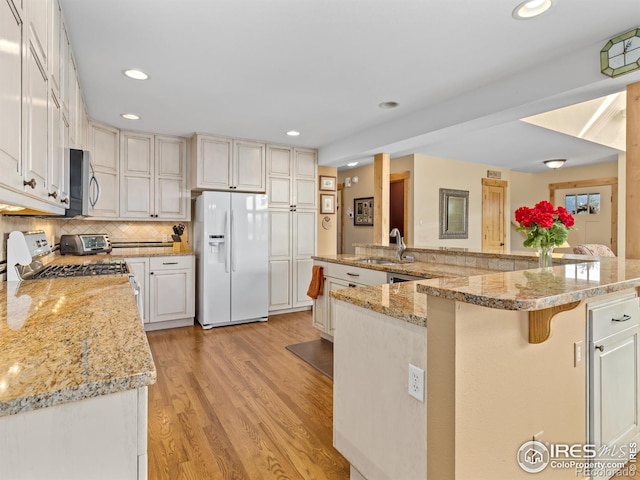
pixel 171 262
pixel 363 276
pixel 613 316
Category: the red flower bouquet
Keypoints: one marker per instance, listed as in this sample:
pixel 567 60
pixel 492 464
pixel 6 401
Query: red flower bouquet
pixel 544 226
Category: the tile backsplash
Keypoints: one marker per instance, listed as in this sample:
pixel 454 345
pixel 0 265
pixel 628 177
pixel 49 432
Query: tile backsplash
pixel 118 231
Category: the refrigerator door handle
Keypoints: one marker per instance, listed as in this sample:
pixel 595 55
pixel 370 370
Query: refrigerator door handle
pixel 233 250
pixel 227 244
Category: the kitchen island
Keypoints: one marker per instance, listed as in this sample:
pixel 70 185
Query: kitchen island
pixel 74 369
pixel 499 352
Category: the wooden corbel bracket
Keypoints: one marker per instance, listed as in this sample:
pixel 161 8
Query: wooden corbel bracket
pixel 540 321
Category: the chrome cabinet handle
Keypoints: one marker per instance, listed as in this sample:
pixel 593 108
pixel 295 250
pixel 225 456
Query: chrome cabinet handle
pixel 624 318
pixel 600 347
pixel 31 183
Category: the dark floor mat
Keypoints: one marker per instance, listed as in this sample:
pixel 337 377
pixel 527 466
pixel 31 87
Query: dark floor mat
pixel 317 353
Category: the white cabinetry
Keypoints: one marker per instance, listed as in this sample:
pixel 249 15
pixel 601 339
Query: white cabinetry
pixel 140 269
pixel 220 163
pixel 172 288
pixel 336 277
pixel 104 149
pixel 614 366
pixel 292 225
pixel 11 31
pixel 153 177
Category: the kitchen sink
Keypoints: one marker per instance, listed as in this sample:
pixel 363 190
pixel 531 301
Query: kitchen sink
pixel 376 261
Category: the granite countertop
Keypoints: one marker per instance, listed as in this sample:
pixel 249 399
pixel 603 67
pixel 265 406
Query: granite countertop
pixel 536 289
pixel 398 300
pixel 418 269
pixel 67 339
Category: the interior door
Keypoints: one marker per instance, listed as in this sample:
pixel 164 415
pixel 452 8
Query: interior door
pixel 593 223
pixel 493 216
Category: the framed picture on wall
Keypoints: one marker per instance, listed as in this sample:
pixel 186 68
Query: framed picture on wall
pixel 363 212
pixel 327 203
pixel 327 183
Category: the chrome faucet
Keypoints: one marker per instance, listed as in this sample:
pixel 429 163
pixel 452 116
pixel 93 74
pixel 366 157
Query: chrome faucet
pixel 400 246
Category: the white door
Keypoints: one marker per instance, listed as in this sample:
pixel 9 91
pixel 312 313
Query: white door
pixel 170 188
pixel 136 173
pixel 249 257
pixel 593 224
pixel 214 162
pixel 249 164
pixel 280 270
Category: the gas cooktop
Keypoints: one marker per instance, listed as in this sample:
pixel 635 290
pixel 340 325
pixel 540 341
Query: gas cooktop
pixel 113 267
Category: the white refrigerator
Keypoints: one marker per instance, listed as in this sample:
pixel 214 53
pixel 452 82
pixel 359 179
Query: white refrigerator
pixel 231 243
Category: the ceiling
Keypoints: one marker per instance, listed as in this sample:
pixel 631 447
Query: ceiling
pixel 464 72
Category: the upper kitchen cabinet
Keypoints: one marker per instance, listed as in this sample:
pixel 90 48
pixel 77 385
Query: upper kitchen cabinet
pixel 39 13
pixel 11 32
pixel 226 164
pixel 54 44
pixel 153 177
pixel 104 147
pixel 291 177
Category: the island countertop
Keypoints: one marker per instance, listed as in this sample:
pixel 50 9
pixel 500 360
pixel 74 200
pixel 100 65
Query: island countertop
pixel 537 289
pixel 67 339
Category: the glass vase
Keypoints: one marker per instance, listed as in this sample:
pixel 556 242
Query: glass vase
pixel 545 256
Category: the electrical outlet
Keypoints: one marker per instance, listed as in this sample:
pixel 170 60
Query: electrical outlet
pixel 165 238
pixel 416 382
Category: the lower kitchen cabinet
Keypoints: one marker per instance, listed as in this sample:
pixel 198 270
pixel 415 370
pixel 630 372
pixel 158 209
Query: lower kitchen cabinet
pixel 100 437
pixel 167 289
pixel 337 277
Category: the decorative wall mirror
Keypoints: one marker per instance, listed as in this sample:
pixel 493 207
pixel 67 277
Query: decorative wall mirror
pixel 454 213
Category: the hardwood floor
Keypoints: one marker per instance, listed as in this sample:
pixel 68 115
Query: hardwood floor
pixel 233 403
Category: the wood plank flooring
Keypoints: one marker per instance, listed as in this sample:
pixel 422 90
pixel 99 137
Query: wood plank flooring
pixel 233 403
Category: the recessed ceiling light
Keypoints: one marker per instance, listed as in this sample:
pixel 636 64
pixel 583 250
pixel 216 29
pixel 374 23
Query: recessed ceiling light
pixel 532 8
pixel 135 74
pixel 387 105
pixel 352 164
pixel 130 116
pixel 293 133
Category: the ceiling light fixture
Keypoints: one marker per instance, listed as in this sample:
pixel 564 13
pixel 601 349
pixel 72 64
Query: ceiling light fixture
pixel 130 116
pixel 555 163
pixel 135 74
pixel 532 8
pixel 293 133
pixel 388 105
pixel 352 164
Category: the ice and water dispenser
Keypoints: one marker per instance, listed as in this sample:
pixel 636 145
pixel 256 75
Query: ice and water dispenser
pixel 217 247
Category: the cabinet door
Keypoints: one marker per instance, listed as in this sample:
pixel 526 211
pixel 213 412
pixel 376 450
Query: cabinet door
pixel 64 69
pixel 279 169
pixel 11 98
pixel 136 173
pixel 171 196
pixel 249 164
pixel 140 268
pixel 331 285
pixel 213 162
pixel 615 398
pixel 104 159
pixel 72 95
pixel 56 150
pixel 321 309
pixel 305 178
pixel 54 43
pixel 279 284
pixel 36 98
pixel 171 295
pixel 304 247
pixel 38 28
